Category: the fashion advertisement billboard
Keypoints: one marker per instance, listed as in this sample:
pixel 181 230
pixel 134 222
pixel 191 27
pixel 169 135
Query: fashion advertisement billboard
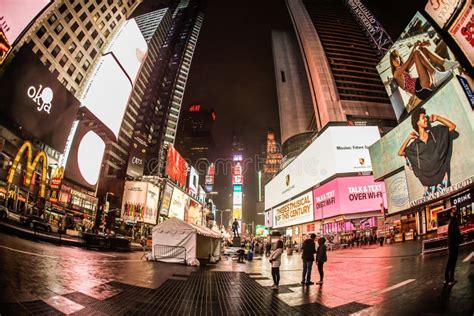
pixel 194 213
pixel 140 202
pixel 179 203
pixel 347 196
pixel 338 150
pixel 416 66
pixel 176 166
pixel 34 103
pixel 166 200
pixel 434 147
pixel 462 31
pixel 297 211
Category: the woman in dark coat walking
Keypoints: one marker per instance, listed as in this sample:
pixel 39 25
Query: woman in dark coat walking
pixel 321 258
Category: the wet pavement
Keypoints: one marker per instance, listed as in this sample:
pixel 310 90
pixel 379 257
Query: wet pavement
pixel 40 278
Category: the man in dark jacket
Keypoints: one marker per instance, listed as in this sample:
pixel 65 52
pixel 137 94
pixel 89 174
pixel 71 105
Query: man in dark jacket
pixel 321 258
pixel 309 250
pixel 454 238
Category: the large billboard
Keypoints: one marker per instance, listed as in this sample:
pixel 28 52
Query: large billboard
pixel 442 11
pixel 194 213
pixel 462 31
pixel 136 157
pixel 338 150
pixel 269 218
pixel 347 196
pixel 297 211
pixel 85 157
pixel 434 147
pixel 166 200
pixel 193 181
pixel 107 93
pixel 129 48
pixel 140 202
pixel 34 103
pixel 418 63
pixel 15 16
pixel 176 166
pixel 179 203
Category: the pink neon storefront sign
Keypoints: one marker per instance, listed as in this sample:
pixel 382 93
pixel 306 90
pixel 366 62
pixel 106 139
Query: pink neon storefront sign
pixel 347 196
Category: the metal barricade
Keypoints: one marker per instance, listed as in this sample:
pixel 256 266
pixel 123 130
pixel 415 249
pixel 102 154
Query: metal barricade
pixel 168 252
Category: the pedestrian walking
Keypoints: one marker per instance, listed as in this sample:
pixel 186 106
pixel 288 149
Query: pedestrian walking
pixel 143 244
pixel 275 260
pixel 321 258
pixel 454 238
pixel 308 249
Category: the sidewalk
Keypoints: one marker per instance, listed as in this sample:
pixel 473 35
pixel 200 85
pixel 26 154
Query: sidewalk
pixel 28 233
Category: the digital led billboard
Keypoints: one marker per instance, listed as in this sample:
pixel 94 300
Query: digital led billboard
pixel 418 63
pixel 433 146
pixel 179 203
pixel 140 202
pixel 34 103
pixel 176 166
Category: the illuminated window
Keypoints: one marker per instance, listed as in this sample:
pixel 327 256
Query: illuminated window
pixel 87 44
pixel 79 56
pixel 108 16
pixel 86 65
pixel 56 51
pixel 48 41
pixel 112 25
pixel 107 33
pixel 72 47
pixel 79 78
pixel 41 32
pixel 52 19
pixel 59 28
pixel 63 61
pixel 71 70
pixel 101 25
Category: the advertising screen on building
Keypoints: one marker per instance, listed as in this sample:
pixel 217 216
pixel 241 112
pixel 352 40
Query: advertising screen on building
pixel 140 202
pixel 136 157
pixel 347 196
pixel 166 201
pixel 398 68
pixel 129 48
pixel 441 165
pixel 338 150
pixel 297 211
pixel 17 15
pixel 107 94
pixel 237 198
pixel 194 213
pixel 193 181
pixel 442 11
pixel 237 211
pixel 179 203
pixel 462 31
pixel 34 103
pixel 261 231
pixel 176 166
pixel 397 192
pixel 85 157
pixel 269 218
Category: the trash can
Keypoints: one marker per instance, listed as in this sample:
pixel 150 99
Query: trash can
pixel 289 251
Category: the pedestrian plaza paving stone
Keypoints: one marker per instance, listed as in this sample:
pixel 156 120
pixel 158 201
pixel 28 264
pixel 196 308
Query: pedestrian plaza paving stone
pixel 204 293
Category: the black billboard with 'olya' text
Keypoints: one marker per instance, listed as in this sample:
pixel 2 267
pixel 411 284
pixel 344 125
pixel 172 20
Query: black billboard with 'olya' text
pixel 34 103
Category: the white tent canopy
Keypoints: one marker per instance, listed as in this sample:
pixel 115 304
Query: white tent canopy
pixel 178 242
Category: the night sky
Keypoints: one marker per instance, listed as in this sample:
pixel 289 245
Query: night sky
pixel 232 71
